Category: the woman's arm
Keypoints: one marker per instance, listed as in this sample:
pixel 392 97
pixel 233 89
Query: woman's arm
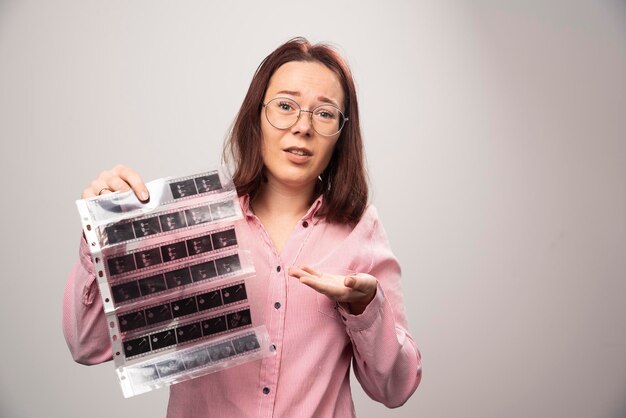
pixel 84 323
pixel 387 361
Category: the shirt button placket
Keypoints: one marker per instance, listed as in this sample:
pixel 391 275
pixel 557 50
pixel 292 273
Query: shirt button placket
pixel 266 389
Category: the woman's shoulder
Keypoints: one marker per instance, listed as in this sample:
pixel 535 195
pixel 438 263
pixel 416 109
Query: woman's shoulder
pixel 370 217
pixel 370 212
pixel 366 225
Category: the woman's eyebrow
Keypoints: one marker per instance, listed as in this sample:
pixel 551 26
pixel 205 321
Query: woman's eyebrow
pixel 325 99
pixel 322 99
pixel 289 92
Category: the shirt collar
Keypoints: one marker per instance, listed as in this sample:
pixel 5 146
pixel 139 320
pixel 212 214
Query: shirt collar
pixel 310 216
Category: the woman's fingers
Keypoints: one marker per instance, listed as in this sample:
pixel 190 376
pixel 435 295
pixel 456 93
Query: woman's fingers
pixel 319 285
pixel 115 183
pixel 87 193
pixel 303 271
pixel 94 188
pixel 135 181
pixel 355 288
pixel 119 178
pixel 307 278
pixel 314 280
pixel 361 282
pixel 311 271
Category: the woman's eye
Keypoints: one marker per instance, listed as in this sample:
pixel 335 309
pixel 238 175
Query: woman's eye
pixel 325 114
pixel 285 106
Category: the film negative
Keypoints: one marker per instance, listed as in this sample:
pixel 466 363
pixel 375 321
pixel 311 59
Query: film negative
pixel 166 222
pixel 121 264
pixel 212 356
pixel 187 332
pixel 182 307
pixel 172 278
pixel 165 192
pixel 205 269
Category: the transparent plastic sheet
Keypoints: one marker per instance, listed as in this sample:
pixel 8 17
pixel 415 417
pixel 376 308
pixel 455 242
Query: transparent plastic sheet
pixel 173 280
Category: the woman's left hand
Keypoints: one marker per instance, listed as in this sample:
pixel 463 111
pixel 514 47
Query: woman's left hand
pixel 357 290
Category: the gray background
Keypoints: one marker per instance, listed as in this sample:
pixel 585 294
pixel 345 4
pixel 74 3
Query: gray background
pixel 496 139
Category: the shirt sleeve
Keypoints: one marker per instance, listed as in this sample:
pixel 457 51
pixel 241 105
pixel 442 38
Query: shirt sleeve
pixel 84 323
pixel 386 361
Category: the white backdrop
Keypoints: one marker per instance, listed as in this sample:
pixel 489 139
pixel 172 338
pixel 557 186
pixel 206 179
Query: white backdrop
pixel 496 140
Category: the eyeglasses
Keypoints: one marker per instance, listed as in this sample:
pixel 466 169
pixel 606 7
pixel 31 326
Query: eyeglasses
pixel 283 113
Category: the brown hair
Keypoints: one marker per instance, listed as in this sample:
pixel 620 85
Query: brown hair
pixel 344 181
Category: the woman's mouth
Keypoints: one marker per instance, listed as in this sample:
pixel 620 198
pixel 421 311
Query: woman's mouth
pixel 299 151
pixel 298 155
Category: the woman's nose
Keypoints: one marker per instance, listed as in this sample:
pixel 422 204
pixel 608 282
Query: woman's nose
pixel 304 125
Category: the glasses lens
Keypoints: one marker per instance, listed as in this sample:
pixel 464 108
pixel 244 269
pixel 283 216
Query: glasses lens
pixel 282 113
pixel 327 120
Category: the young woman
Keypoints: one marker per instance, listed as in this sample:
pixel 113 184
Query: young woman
pixel 327 281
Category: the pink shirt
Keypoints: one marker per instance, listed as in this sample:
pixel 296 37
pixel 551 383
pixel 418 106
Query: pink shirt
pixel 315 339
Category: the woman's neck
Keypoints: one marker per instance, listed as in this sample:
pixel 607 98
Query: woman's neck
pixel 277 200
pixel 280 208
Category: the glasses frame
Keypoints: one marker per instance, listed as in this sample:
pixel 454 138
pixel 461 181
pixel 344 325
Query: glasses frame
pixel 310 112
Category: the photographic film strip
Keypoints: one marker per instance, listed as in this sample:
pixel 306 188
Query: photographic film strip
pixel 186 332
pixel 222 352
pixel 166 192
pixel 173 280
pixel 181 307
pixel 169 252
pixel 168 222
pixel 148 285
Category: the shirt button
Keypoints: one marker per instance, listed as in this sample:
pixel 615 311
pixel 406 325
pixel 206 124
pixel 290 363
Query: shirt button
pixel 266 390
pixel 305 224
pixel 277 305
pixel 278 269
pixel 273 347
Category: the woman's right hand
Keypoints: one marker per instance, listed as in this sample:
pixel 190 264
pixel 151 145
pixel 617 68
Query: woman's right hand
pixel 118 178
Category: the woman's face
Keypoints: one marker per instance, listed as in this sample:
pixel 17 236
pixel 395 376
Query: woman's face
pixel 296 156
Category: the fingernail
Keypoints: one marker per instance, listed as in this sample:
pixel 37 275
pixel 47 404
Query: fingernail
pixel 143 195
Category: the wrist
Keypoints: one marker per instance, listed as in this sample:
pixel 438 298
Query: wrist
pixel 357 308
